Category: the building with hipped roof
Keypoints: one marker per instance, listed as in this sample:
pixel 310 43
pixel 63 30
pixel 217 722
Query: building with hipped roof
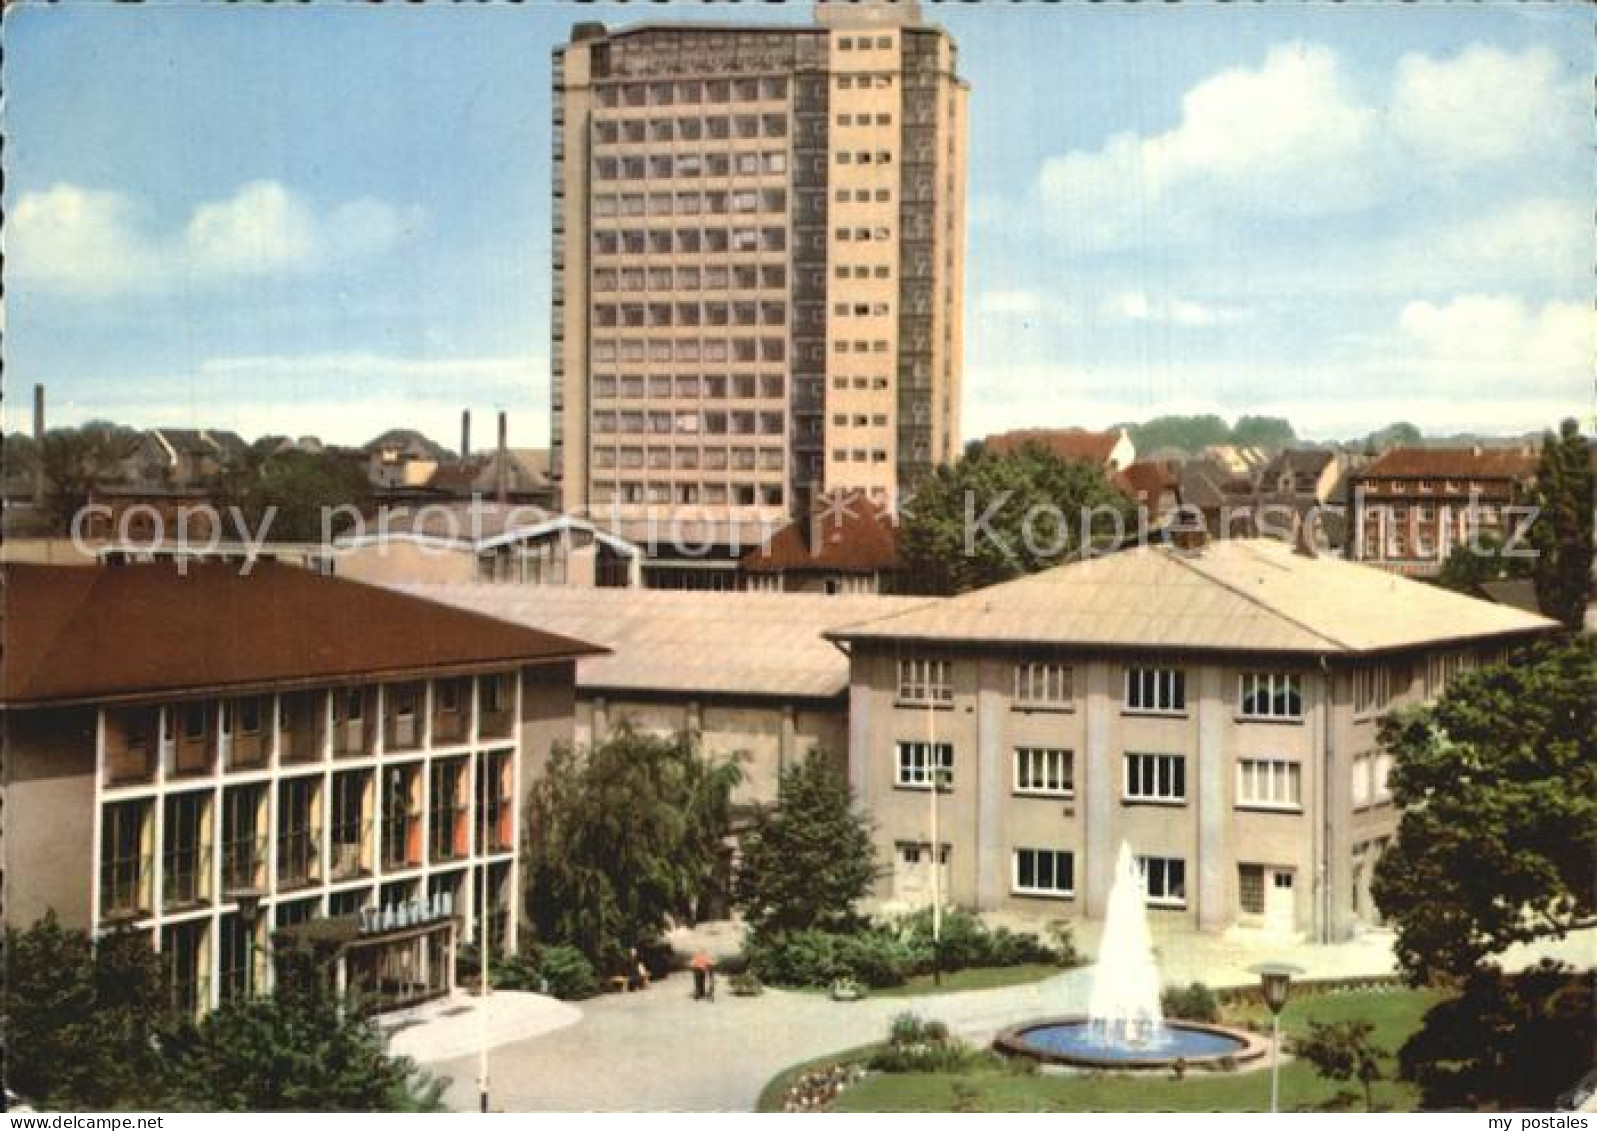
pixel 1215 708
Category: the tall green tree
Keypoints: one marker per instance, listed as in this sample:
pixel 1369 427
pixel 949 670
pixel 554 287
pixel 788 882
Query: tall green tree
pixel 625 837
pixel 77 460
pixel 1344 1051
pixel 1497 783
pixel 1263 432
pixel 84 1019
pixel 808 860
pixel 296 1050
pixel 1188 433
pixel 1468 567
pixel 1562 532
pixel 989 518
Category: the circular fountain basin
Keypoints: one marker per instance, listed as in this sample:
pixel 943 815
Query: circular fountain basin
pixel 1076 1041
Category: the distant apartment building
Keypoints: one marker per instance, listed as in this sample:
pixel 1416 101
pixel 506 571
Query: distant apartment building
pixel 214 758
pixel 1412 506
pixel 1216 709
pixel 758 262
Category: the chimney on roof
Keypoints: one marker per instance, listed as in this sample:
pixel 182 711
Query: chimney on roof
pixel 38 445
pixel 501 486
pixel 465 434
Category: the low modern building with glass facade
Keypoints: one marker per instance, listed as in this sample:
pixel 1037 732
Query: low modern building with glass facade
pixel 211 757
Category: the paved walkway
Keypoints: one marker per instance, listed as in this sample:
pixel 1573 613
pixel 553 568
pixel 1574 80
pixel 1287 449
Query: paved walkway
pixel 661 1051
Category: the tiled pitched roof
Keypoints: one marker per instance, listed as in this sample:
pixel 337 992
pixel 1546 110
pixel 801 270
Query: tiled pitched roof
pixel 849 534
pixel 1451 463
pixel 1076 444
pixel 1236 595
pixel 76 633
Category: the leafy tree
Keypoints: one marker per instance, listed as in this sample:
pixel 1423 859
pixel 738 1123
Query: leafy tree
pixel 1343 1051
pixel 1263 432
pixel 625 837
pixel 83 1019
pixel 1511 1041
pixel 295 486
pixel 1562 532
pixel 1497 781
pixel 77 460
pixel 1189 433
pixel 297 1050
pixel 1467 567
pixel 1399 435
pixel 806 862
pixel 989 518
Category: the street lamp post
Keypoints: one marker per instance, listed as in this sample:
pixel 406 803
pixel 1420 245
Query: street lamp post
pixel 1275 982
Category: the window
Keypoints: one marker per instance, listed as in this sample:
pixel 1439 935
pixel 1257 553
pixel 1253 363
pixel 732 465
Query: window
pixel 1272 695
pixel 915 766
pixel 1164 880
pixel 1250 888
pixel 1044 871
pixel 1156 777
pixel 1045 773
pixel 1042 685
pixel 1372 690
pixel 1156 690
pixel 1269 783
pixel 925 681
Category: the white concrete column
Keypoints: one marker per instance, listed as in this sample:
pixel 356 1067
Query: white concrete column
pixel 990 758
pixel 1213 813
pixel 1097 787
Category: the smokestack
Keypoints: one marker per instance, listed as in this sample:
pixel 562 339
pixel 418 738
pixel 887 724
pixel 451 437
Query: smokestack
pixel 465 434
pixel 501 486
pixel 38 445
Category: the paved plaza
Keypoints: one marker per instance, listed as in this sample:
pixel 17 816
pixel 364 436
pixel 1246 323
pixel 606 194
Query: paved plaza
pixel 659 1050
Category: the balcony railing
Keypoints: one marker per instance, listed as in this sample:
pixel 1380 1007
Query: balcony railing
pixel 185 876
pixel 351 849
pixel 349 737
pixel 125 887
pixel 244 864
pixel 299 858
pixel 247 751
pixel 193 757
pixel 403 731
pixel 493 723
pixel 401 841
pixel 130 764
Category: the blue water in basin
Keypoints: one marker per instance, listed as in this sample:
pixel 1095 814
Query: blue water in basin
pixel 1081 1039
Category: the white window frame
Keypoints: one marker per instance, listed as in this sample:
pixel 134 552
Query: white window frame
pixel 1282 781
pixel 1053 855
pixel 912 770
pixel 1269 696
pixel 1166 790
pixel 1031 764
pixel 1373 690
pixel 1165 687
pixel 1156 872
pixel 1044 685
pixel 924 679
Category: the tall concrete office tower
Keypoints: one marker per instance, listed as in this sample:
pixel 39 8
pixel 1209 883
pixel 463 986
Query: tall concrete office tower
pixel 758 261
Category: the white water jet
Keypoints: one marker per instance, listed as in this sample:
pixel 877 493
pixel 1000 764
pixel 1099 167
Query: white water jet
pixel 1124 1007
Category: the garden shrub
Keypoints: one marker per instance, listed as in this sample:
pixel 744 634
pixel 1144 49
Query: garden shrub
pixel 914 1045
pixel 1191 1003
pixel 567 972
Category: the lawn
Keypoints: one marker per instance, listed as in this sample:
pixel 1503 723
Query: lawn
pixel 999 1086
pixel 975 978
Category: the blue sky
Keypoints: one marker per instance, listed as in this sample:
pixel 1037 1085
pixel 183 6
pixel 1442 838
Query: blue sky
pixel 333 219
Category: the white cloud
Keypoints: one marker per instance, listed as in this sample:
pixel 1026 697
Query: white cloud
pixel 345 397
pixel 1477 343
pixel 1296 137
pixel 1134 306
pixel 1282 138
pixel 1484 105
pixel 1025 306
pixel 78 241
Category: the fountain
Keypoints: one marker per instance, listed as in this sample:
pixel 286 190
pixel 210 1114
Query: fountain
pixel 1125 1025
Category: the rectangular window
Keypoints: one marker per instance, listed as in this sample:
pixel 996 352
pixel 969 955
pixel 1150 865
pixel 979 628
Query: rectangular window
pixel 1269 783
pixel 1045 872
pixel 1044 773
pixel 915 765
pixel 1164 880
pixel 1271 695
pixel 1044 685
pixel 1156 690
pixel 1156 777
pixel 1372 690
pixel 925 681
pixel 1250 888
